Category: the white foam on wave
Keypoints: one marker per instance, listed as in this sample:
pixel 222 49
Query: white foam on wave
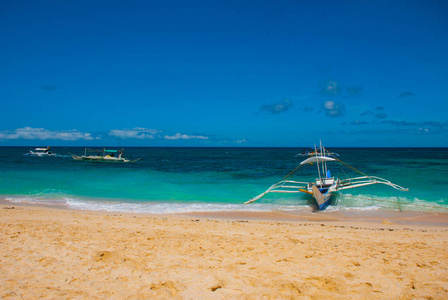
pixel 38 200
pixel 339 208
pixel 173 208
pixel 48 156
pixel 148 207
pixel 373 202
pixel 349 203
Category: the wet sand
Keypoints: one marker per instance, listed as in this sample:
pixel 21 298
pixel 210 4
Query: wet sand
pixel 52 253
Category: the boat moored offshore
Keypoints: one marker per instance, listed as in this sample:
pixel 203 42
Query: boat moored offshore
pixel 41 152
pixel 325 185
pixel 103 156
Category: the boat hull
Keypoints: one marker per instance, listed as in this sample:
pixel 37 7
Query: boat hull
pixel 326 202
pixel 322 191
pixel 101 159
pixel 41 154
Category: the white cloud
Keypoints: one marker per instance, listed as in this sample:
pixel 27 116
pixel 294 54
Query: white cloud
pixel 135 133
pixel 329 105
pixel 241 141
pixel 179 136
pixel 151 134
pixel 330 87
pixel 333 109
pixel 29 133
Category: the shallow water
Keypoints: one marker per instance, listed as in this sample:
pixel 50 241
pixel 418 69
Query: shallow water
pixel 179 180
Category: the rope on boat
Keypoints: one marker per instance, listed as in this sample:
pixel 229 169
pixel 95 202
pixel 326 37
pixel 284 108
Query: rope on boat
pixel 292 172
pixel 395 202
pixel 337 159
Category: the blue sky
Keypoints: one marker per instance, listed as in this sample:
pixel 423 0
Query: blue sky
pixel 224 73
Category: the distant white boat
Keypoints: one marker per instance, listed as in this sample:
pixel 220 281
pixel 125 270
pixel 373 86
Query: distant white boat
pixel 42 152
pixel 324 186
pixel 103 156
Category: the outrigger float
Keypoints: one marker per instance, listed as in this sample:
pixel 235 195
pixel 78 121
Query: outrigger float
pixel 103 156
pixel 323 188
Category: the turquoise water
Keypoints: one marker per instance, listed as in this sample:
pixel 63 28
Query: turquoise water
pixel 176 180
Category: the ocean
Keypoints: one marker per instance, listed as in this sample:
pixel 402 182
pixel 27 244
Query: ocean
pixel 185 180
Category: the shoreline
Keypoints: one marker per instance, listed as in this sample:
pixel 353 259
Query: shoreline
pixel 388 216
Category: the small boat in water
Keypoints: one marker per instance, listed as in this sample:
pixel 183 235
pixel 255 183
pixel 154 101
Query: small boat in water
pixel 324 186
pixel 317 151
pixel 41 152
pixel 103 156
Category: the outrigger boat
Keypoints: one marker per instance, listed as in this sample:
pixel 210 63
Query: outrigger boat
pixel 107 156
pixel 42 152
pixel 323 188
pixel 316 151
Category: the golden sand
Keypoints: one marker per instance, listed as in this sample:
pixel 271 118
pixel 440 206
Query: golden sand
pixel 62 254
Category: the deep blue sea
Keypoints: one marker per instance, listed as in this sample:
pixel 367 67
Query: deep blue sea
pixel 182 180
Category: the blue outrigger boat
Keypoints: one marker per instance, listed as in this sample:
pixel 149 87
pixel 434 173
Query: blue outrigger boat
pixel 324 186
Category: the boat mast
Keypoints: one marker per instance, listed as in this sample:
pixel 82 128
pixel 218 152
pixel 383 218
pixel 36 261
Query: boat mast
pixel 318 169
pixel 324 164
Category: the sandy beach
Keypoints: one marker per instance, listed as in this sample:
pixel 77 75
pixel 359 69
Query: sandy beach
pixel 64 254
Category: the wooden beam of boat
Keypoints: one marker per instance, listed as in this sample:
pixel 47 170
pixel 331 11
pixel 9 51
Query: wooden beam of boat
pixel 256 198
pixel 368 180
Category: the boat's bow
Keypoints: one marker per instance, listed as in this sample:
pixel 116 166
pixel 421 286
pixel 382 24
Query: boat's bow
pixel 318 196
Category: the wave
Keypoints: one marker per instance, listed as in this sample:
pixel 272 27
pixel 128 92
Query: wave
pixel 368 201
pixel 54 155
pixel 149 207
pixel 345 202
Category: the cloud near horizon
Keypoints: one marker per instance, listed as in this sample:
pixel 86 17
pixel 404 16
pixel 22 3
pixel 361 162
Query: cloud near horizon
pixel 180 136
pixel 140 133
pixel 438 125
pixel 135 133
pixel 401 127
pixel 29 133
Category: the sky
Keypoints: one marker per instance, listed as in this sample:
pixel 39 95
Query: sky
pixel 224 73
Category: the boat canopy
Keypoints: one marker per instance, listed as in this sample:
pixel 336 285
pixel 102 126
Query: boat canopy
pixel 40 149
pixel 316 159
pixel 111 151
